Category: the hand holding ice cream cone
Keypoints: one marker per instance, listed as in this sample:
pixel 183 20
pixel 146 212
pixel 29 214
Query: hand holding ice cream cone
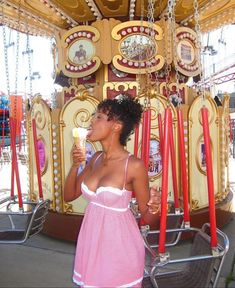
pixel 79 152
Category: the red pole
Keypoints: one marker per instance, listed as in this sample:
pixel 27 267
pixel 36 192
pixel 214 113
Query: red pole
pixel 143 145
pixel 159 118
pixel 136 141
pixel 14 159
pixel 210 178
pixel 3 133
pixel 165 162
pixel 37 159
pixel 173 162
pixel 147 136
pixel 19 137
pixel 184 177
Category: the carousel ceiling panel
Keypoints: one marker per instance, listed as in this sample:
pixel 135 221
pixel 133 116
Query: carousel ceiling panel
pixel 48 16
pixel 76 9
pixel 160 7
pixel 119 8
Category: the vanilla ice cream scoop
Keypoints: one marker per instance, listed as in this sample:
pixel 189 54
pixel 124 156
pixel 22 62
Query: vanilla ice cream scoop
pixel 79 135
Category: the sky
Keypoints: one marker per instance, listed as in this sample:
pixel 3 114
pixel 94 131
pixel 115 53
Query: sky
pixel 41 61
pixel 223 43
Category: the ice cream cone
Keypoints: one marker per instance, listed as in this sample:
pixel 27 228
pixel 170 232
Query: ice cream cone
pixel 79 136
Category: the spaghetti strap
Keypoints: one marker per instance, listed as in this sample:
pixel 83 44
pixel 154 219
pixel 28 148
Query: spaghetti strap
pixel 125 175
pixel 97 157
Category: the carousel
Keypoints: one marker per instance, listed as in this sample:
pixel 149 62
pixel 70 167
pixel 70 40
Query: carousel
pixel 146 49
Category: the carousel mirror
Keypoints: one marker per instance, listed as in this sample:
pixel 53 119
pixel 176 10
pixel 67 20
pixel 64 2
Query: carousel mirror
pixel 138 47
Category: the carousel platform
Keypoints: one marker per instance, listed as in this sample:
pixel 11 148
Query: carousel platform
pixel 43 261
pixel 47 262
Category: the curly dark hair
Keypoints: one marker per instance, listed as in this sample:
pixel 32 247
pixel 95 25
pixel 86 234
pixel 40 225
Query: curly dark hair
pixel 124 109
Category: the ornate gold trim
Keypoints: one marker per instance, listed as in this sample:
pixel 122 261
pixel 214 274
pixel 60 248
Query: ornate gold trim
pixel 116 87
pixel 87 62
pixel 135 63
pixel 187 52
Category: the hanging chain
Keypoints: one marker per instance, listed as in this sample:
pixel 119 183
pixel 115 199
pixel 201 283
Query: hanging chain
pixel 6 59
pixel 170 7
pixel 139 92
pixel 17 61
pixel 17 51
pixel 5 51
pixel 177 96
pixel 30 66
pixel 200 85
pixel 173 32
pixel 151 49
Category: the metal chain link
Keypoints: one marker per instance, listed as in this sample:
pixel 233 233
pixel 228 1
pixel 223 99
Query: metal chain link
pixel 151 50
pixel 139 92
pixel 170 6
pixel 5 49
pixel 6 58
pixel 173 32
pixel 17 61
pixel 200 85
pixel 30 66
pixel 17 51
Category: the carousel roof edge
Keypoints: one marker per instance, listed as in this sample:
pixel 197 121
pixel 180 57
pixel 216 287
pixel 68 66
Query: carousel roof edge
pixel 49 17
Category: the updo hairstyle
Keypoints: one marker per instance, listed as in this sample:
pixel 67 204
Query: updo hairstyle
pixel 125 109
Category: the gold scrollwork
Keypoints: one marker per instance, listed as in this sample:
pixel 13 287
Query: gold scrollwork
pixel 82 94
pixel 195 204
pixel 81 117
pixel 39 115
pixel 68 208
pixel 132 67
pixel 118 86
pixel 33 196
pixel 219 197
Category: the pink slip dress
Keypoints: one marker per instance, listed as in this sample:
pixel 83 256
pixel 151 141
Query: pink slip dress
pixel 110 248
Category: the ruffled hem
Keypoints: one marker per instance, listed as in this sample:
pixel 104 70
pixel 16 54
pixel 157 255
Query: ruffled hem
pixel 85 285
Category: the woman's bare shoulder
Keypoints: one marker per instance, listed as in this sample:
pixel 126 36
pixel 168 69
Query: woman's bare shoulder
pixel 136 163
pixel 137 169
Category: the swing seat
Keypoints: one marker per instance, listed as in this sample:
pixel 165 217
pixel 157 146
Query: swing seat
pixel 23 224
pixel 201 268
pixel 174 221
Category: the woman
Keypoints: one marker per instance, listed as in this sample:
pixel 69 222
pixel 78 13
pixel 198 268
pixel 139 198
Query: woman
pixel 110 249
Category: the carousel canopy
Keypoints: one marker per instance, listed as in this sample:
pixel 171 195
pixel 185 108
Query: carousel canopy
pixel 46 17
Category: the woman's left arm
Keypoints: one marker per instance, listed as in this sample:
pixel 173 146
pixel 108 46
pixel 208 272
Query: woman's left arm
pixel 149 207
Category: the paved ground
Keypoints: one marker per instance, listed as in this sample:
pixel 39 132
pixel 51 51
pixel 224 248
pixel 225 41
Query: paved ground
pixel 48 262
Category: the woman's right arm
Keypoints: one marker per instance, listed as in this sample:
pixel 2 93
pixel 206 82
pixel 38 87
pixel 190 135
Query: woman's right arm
pixel 73 181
